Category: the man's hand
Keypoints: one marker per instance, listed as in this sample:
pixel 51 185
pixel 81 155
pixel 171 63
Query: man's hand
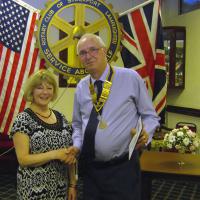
pixel 64 156
pixel 73 150
pixel 142 140
pixel 71 154
pixel 133 132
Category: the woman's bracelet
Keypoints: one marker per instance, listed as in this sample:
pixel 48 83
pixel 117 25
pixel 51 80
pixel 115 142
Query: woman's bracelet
pixel 72 185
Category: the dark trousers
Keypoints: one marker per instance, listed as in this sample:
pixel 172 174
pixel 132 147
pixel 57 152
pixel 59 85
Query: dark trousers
pixel 120 181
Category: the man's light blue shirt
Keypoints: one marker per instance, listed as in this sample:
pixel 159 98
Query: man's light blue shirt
pixel 128 99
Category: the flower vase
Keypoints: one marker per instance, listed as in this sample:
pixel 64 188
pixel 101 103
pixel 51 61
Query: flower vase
pixel 173 150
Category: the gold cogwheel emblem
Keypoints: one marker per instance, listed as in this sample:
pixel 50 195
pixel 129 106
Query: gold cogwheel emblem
pixel 62 24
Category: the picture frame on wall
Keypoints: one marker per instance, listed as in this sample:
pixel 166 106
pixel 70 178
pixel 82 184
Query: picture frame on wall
pixel 186 6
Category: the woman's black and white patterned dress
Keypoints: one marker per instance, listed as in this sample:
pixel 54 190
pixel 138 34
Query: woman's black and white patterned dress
pixel 48 181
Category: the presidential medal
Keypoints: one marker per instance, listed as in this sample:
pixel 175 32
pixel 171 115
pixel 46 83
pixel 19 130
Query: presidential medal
pixel 102 123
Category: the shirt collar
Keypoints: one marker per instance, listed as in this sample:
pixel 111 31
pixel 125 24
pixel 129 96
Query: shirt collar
pixel 104 75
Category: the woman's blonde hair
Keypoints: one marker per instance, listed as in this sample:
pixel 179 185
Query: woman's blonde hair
pixel 36 79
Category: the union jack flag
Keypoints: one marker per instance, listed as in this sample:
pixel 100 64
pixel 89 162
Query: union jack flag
pixel 143 50
pixel 18 57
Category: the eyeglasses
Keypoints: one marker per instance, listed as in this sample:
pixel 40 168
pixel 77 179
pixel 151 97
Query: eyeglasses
pixel 93 51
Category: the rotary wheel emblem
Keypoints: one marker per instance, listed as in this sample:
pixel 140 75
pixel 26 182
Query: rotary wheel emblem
pixel 70 19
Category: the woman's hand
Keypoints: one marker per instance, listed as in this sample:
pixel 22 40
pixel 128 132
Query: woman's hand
pixel 74 150
pixel 72 153
pixel 64 155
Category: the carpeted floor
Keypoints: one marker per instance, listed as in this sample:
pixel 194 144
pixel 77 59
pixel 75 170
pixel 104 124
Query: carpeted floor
pixel 7 186
pixel 161 189
pixel 175 190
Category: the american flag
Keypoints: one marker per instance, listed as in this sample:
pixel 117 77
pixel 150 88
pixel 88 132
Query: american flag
pixel 18 57
pixel 143 50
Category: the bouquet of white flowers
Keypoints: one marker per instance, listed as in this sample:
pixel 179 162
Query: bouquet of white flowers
pixel 182 140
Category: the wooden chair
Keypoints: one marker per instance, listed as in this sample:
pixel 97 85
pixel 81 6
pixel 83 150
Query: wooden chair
pixel 8 159
pixel 191 126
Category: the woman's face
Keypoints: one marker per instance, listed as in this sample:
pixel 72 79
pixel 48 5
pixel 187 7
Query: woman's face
pixel 43 94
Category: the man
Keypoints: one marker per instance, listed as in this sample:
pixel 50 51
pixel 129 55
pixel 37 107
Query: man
pixel 108 174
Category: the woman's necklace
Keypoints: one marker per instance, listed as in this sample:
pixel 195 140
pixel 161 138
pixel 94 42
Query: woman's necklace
pixel 46 117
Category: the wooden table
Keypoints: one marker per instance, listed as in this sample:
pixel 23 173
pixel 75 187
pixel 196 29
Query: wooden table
pixel 167 165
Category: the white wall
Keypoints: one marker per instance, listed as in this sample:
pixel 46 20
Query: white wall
pixel 118 5
pixel 190 96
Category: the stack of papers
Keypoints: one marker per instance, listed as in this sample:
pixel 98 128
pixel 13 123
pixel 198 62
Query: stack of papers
pixel 135 137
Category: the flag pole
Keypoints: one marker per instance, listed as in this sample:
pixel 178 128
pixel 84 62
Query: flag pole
pixel 136 7
pixel 28 6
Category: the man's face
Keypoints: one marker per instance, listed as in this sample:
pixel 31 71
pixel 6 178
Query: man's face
pixel 91 54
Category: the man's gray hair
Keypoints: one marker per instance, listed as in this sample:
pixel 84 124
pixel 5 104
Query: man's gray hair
pixel 91 36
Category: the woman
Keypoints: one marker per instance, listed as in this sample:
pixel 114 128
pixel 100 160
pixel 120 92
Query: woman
pixel 41 138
